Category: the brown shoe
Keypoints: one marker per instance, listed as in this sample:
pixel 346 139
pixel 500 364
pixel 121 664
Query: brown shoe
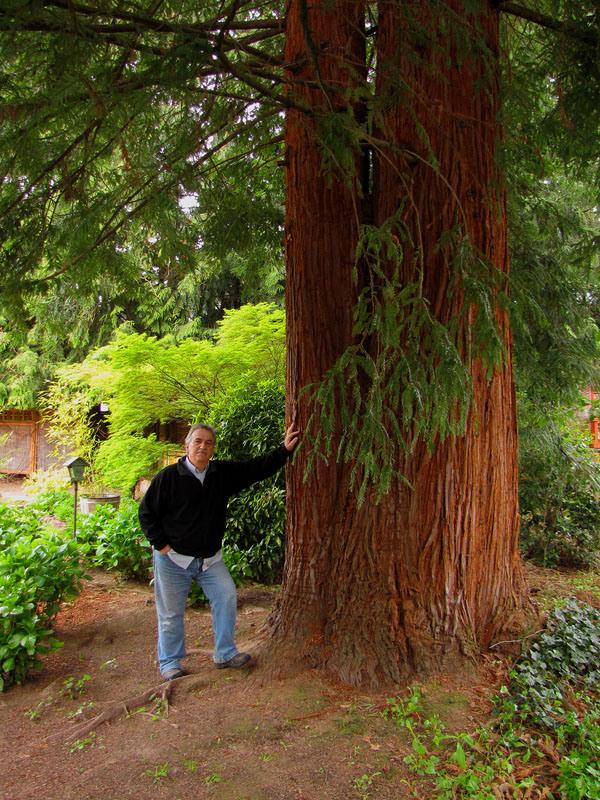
pixel 173 673
pixel 238 660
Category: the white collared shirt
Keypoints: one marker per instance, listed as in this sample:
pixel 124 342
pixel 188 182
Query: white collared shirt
pixel 200 474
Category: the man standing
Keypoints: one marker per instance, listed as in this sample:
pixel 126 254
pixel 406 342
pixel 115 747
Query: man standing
pixel 183 516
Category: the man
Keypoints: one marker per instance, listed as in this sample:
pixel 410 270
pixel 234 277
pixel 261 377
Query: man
pixel 183 516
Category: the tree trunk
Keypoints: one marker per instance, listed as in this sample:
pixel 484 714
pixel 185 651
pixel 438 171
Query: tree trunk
pixel 432 573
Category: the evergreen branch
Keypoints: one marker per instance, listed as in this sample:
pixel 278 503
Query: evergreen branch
pixel 161 25
pixel 245 45
pixel 228 19
pixel 115 35
pixel 253 69
pixel 88 34
pixel 54 163
pixel 106 233
pixel 109 33
pixel 108 230
pixel 569 28
pixel 239 71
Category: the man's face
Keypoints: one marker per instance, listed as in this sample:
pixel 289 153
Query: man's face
pixel 200 448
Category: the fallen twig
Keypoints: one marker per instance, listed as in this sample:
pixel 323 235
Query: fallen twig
pixel 316 714
pixel 516 641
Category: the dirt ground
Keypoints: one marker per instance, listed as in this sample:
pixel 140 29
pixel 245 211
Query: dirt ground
pixel 222 734
pixel 11 488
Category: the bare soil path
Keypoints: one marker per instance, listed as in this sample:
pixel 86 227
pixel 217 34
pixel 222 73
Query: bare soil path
pixel 222 734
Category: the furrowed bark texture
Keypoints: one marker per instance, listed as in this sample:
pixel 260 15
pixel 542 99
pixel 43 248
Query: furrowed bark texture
pixel 431 574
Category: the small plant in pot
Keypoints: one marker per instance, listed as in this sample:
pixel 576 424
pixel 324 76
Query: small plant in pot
pixel 94 492
pixel 91 497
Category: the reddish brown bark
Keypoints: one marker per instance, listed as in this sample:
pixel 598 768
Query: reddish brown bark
pixel 431 573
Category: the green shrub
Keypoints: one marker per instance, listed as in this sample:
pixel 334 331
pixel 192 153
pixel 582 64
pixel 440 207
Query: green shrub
pixel 112 536
pixel 554 690
pixel 558 494
pixel 566 535
pixel 565 658
pixel 49 480
pixel 39 569
pixel 547 724
pixel 52 493
pixel 124 458
pixel 58 502
pixel 249 421
pixel 115 540
pixel 256 526
pixel 579 768
pixel 15 523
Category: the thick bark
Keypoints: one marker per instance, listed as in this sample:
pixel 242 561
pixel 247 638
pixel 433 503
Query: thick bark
pixel 430 574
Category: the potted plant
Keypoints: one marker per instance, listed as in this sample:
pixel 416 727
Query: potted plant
pixel 91 497
pixel 94 491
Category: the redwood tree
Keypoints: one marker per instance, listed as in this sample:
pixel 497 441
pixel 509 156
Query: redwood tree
pixel 377 587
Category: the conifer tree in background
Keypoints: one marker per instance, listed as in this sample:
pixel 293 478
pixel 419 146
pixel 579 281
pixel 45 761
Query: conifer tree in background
pixel 402 533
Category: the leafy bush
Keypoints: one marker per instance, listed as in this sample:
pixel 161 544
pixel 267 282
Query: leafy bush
pixel 547 724
pixel 39 569
pixel 49 480
pixel 558 494
pixel 53 494
pixel 579 768
pixel 554 688
pixel 249 421
pixel 58 502
pixel 124 458
pixel 16 522
pixel 566 657
pixel 115 540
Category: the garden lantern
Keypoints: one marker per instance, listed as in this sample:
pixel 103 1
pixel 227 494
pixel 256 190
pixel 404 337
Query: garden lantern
pixel 76 467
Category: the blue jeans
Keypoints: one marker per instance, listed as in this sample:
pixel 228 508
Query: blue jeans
pixel 171 587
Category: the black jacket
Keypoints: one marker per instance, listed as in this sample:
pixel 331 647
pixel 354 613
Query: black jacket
pixel 180 511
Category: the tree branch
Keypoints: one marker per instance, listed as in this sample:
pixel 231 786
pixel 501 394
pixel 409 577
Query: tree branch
pixel 574 30
pixel 109 230
pixel 140 23
pixel 50 166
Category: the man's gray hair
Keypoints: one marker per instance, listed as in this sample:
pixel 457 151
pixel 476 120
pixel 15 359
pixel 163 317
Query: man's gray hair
pixel 200 425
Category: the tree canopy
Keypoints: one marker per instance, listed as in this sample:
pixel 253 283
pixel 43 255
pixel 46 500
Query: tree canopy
pixel 141 152
pixel 114 210
pixel 112 117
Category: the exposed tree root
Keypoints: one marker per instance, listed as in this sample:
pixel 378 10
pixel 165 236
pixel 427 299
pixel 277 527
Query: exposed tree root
pixel 161 692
